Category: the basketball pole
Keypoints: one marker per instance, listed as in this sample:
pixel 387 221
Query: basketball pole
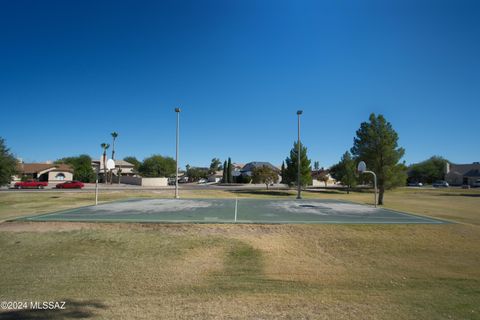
pixel 362 168
pixel 96 185
pixel 374 185
pixel 236 208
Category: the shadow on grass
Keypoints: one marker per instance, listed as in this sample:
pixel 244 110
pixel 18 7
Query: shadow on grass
pixel 472 195
pixel 264 192
pixel 244 272
pixel 323 191
pixel 339 190
pixel 72 310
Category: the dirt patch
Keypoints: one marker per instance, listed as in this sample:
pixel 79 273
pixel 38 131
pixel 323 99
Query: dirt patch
pixel 20 226
pixel 173 229
pixel 150 206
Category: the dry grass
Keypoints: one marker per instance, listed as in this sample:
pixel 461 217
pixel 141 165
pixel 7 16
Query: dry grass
pixel 145 271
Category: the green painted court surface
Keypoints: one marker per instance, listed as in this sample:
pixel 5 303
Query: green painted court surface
pixel 225 211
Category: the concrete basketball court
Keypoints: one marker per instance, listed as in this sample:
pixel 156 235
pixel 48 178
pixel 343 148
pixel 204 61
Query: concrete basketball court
pixel 235 211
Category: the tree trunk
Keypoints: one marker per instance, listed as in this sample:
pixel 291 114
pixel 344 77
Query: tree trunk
pixel 113 158
pixel 105 177
pixel 266 185
pixel 113 149
pixel 380 195
pixel 348 189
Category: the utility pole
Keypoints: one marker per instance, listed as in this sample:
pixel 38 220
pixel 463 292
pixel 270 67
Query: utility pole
pixel 177 111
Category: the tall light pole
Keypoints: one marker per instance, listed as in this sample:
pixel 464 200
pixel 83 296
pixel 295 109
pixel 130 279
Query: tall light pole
pixel 299 196
pixel 177 110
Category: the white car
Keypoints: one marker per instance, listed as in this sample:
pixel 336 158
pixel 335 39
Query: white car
pixel 415 184
pixel 440 184
pixel 476 184
pixel 202 181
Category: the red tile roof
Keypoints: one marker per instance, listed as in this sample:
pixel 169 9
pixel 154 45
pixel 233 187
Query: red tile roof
pixel 29 168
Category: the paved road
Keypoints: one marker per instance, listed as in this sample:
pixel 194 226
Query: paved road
pixel 90 187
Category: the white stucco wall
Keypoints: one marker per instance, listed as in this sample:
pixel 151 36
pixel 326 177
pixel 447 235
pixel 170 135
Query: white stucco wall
pixel 154 182
pixel 52 176
pixel 214 179
pixel 144 182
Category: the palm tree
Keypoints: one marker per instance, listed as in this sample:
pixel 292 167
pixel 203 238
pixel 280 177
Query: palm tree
pixel 114 136
pixel 105 146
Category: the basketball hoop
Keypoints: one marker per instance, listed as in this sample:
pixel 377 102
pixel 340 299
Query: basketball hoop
pixel 362 167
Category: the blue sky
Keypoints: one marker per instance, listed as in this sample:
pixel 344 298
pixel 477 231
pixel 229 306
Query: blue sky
pixel 71 72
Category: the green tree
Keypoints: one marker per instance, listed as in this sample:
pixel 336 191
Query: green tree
pixel 8 164
pixel 292 163
pixel 229 171
pixel 215 165
pixel 316 165
pixel 428 171
pixel 344 171
pixel 376 143
pixel 82 167
pixel 133 160
pixel 264 175
pixel 243 178
pixel 195 174
pixel 323 177
pixel 104 146
pixel 283 172
pixel 224 177
pixel 114 137
pixel 157 166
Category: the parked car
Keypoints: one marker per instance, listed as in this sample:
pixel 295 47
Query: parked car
pixel 183 180
pixel 415 184
pixel 202 181
pixel 476 184
pixel 29 184
pixel 70 185
pixel 440 184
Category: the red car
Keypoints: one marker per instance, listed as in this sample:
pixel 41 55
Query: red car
pixel 30 184
pixel 70 185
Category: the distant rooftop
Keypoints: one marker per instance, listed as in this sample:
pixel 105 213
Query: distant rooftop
pixel 30 168
pixel 469 170
pixel 122 163
pixel 257 164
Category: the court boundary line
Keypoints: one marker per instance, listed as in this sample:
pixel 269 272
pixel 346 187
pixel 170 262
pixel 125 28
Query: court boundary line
pixel 129 220
pixel 438 220
pixel 425 219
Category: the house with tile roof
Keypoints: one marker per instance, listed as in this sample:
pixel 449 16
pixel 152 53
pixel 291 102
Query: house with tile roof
pixel 462 174
pixel 49 172
pixel 121 166
pixel 122 169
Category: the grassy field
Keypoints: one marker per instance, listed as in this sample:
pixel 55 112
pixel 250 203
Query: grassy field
pixel 145 271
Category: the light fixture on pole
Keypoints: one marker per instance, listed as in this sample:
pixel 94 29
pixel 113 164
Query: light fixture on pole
pixel 299 186
pixel 177 110
pixel 362 168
